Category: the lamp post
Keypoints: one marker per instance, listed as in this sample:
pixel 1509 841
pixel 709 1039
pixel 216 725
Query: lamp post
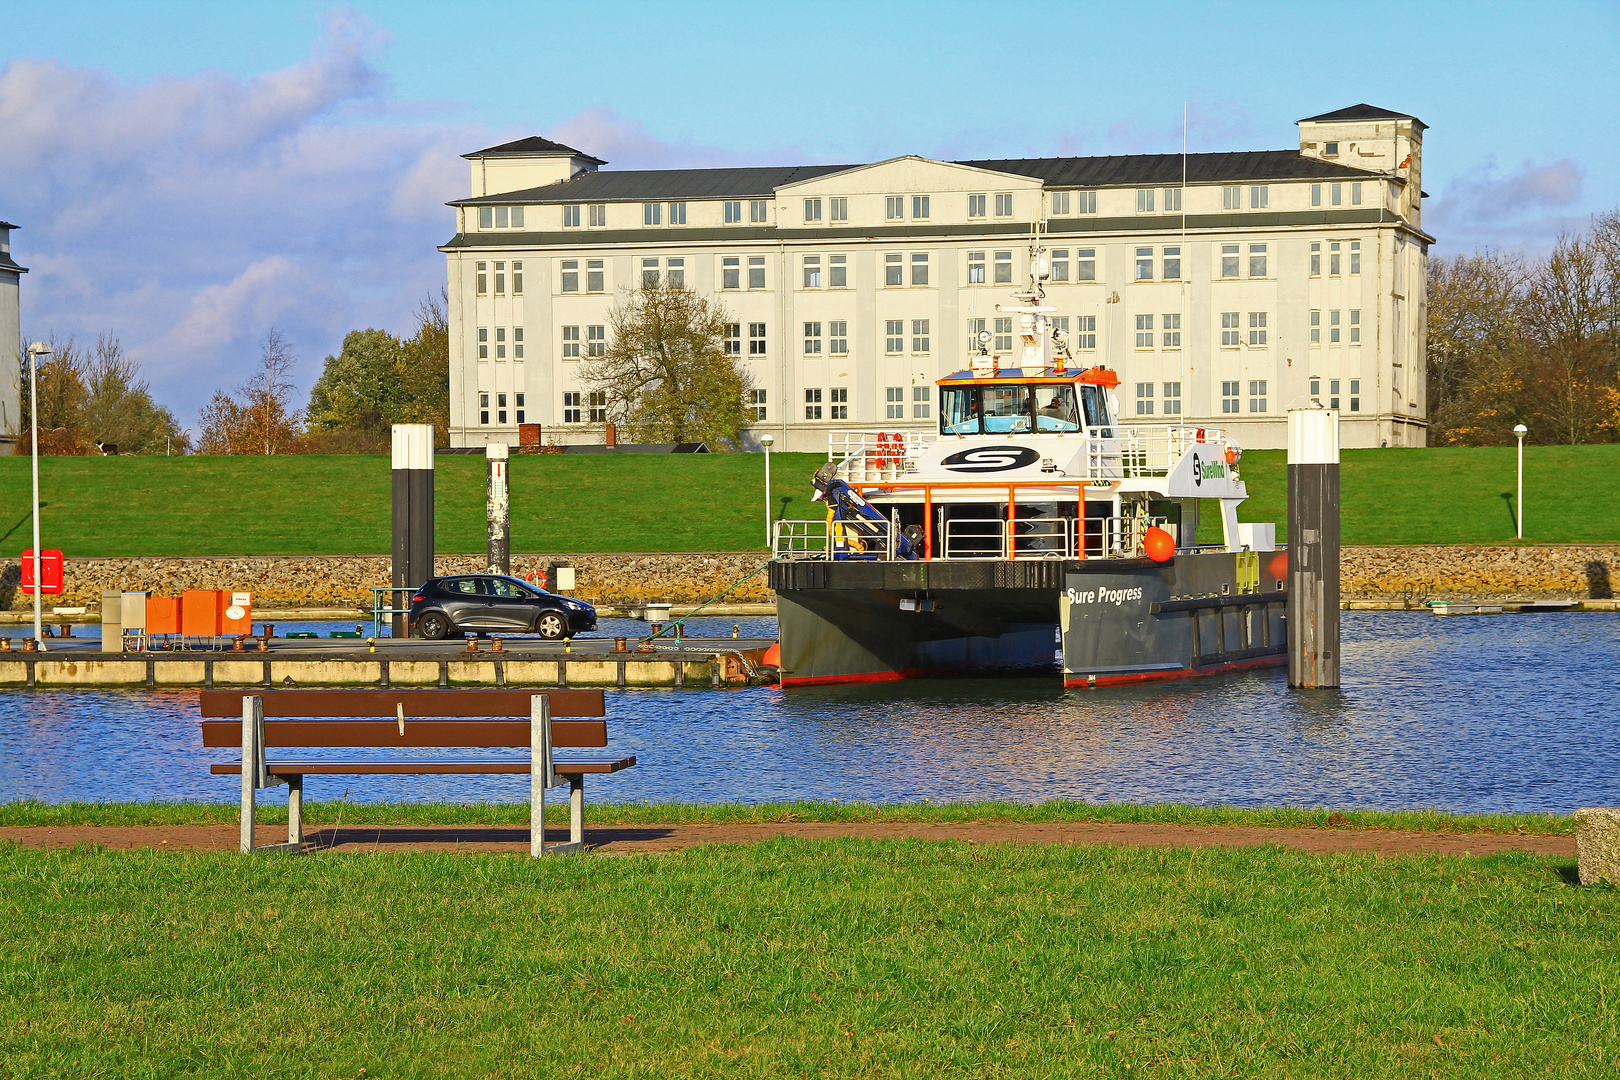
pixel 1521 431
pixel 766 440
pixel 35 351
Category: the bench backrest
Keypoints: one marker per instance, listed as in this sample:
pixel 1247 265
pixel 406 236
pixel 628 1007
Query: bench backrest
pixel 481 718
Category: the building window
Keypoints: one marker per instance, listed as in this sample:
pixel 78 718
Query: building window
pixel 593 276
pixel 1085 332
pixel 570 407
pixel 1085 264
pixel 734 212
pixel 571 216
pixel 1316 194
pixel 1059 265
pixel 838 338
pixel 1259 197
pixel 1355 395
pixel 1144 200
pixel 519 403
pixel 1355 326
pixel 676 272
pixel 596 341
pixel 1316 260
pixel 838 397
pixel 481 278
pixel 1144 331
pixel 975 268
pixel 1004 205
pixel 598 215
pixel 1230 401
pixel 500 279
pixel 1316 330
pixel 1004 335
pixel 1229 260
pixel 570 275
pixel 1231 198
pixel 812 339
pixel 1257 328
pixel 1336 194
pixel 1172 200
pixel 975 346
pixel 893 269
pixel 570 340
pixel 919 335
pixel 500 343
pixel 731 272
pixel 894 207
pixel 756 339
pixel 1333 392
pixel 975 206
pixel 652 213
pixel 920 400
pixel 677 213
pixel 1355 256
pixel 1330 149
pixel 517 279
pixel 756 271
pixel 1144 264
pixel 517 345
pixel 758 210
pixel 486 217
pixel 812 271
pixel 483 408
pixel 1060 203
pixel 1003 267
pixel 919 267
pixel 756 398
pixel 1231 329
pixel 1172 399
pixel 1085 202
pixel 1257 395
pixel 734 339
pixel 812 210
pixel 838 209
pixel 598 402
pixel 1144 399
pixel 1355 194
pixel 1316 387
pixel 919 207
pixel 1333 328
pixel 1172 264
pixel 1257 260
pixel 896 397
pixel 483 343
pixel 894 335
pixel 812 403
pixel 649 273
pixel 1333 258
pixel 1172 330
pixel 838 271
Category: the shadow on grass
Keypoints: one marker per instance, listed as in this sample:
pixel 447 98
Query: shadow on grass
pixel 466 836
pixel 1512 512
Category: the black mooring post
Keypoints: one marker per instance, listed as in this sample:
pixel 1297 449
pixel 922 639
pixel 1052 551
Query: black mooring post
pixel 499 509
pixel 1313 548
pixel 413 514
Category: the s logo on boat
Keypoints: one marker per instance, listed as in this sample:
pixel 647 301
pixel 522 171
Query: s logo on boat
pixel 991 459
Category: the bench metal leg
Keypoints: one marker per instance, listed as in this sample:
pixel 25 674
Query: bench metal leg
pixel 295 810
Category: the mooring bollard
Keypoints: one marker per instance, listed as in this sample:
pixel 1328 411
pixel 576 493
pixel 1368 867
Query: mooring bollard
pixel 413 513
pixel 499 509
pixel 1313 548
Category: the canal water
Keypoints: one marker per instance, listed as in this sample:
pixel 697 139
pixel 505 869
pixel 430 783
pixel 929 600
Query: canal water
pixel 1486 713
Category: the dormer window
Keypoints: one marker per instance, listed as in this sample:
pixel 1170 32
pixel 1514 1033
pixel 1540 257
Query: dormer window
pixel 500 217
pixel 1330 149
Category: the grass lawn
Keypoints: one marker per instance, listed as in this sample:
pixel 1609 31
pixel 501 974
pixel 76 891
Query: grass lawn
pixel 833 958
pixel 566 503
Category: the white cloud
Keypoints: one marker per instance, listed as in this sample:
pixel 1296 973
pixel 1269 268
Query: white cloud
pixel 626 144
pixel 1524 209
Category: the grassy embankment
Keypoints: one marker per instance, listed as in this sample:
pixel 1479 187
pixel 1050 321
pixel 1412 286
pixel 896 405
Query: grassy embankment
pixel 835 958
pixel 564 503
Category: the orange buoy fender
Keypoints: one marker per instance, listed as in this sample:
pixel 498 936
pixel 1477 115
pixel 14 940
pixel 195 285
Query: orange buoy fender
pixel 773 656
pixel 1160 545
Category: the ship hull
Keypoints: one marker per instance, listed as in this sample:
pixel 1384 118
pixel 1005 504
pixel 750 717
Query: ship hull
pixel 1091 622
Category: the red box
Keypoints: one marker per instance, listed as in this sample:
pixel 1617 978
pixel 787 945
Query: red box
pixel 199 613
pixel 162 615
pixel 50 571
pixel 235 612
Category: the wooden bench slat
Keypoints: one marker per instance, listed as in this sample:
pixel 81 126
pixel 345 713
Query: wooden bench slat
pixel 305 703
pixel 424 767
pixel 384 733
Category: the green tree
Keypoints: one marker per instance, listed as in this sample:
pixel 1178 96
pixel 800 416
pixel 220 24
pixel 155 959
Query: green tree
pixel 666 372
pixel 118 407
pixel 359 388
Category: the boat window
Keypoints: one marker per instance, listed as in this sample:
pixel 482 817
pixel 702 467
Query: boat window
pixel 1055 409
pixel 959 410
pixel 1096 404
pixel 1006 409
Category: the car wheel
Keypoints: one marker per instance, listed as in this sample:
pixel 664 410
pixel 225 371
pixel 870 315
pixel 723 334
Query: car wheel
pixel 433 626
pixel 551 625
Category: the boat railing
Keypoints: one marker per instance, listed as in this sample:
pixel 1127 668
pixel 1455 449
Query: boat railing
pixel 875 456
pixel 1107 452
pixel 970 538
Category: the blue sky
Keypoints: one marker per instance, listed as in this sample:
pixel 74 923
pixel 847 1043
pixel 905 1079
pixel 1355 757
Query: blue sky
pixel 188 175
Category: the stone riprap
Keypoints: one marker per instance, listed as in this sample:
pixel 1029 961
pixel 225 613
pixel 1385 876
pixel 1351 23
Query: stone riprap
pixel 1597 844
pixel 1367 573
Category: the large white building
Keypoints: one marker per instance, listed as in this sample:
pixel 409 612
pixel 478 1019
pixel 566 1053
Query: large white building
pixel 10 344
pixel 1223 288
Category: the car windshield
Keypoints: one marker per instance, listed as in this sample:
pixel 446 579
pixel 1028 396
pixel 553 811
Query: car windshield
pixel 509 587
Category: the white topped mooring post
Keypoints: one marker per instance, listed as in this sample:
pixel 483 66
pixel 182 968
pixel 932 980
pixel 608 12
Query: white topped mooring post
pixel 1313 548
pixel 499 512
pixel 413 514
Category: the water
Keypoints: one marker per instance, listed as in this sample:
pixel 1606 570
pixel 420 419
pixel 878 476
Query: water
pixel 1491 713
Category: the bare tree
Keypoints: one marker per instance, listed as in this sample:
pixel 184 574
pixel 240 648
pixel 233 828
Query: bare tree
pixel 257 419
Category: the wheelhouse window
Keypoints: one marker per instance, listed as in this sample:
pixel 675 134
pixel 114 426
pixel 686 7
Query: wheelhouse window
pixel 1001 410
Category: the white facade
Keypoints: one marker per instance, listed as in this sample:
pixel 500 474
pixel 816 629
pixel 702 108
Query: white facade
pixel 1267 279
pixel 10 344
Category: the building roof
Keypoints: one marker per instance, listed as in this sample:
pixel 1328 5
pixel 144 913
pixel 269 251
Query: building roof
pixel 1362 112
pixel 533 146
pixel 8 225
pixel 1147 170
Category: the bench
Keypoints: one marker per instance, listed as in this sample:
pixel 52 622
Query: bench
pixel 476 718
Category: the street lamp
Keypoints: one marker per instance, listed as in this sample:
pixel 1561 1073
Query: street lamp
pixel 1521 431
pixel 35 351
pixel 766 440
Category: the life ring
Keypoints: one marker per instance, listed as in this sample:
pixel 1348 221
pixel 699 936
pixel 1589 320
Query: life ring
pixel 1231 455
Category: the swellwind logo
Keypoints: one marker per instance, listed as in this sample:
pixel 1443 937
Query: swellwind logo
pixel 991 459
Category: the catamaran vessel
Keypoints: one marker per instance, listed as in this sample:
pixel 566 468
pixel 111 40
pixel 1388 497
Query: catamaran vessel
pixel 1033 532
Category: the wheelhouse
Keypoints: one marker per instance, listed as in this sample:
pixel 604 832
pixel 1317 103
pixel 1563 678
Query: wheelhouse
pixel 1049 401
